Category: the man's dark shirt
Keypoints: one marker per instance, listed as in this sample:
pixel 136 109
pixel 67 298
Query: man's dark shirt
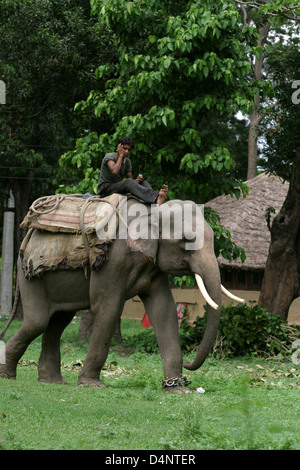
pixel 106 176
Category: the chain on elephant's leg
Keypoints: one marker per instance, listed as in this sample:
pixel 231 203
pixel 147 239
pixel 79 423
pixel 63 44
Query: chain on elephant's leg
pixel 176 385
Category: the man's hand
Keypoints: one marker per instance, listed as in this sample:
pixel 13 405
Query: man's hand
pixel 139 179
pixel 121 152
pixel 115 166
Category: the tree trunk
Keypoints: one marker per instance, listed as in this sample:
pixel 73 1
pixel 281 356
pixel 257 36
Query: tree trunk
pixel 256 117
pixel 281 280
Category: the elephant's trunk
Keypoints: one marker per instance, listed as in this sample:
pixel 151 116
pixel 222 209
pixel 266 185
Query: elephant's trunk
pixel 214 304
pixel 212 294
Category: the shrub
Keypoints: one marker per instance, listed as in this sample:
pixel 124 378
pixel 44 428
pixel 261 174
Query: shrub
pixel 145 341
pixel 244 330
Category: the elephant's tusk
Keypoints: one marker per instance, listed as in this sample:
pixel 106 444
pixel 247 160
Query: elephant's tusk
pixel 231 296
pixel 205 293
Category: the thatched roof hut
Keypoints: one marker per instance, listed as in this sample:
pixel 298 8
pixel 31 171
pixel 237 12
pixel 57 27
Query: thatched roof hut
pixel 245 219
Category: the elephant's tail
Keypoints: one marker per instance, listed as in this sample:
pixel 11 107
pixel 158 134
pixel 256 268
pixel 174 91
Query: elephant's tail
pixel 13 310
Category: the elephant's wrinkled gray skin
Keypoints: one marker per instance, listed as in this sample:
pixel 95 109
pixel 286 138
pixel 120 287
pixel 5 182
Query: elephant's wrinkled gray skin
pixel 49 304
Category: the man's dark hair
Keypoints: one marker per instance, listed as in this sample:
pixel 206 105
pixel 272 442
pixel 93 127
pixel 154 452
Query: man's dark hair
pixel 127 141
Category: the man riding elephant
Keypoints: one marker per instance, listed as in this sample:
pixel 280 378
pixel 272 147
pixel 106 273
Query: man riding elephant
pixel 116 176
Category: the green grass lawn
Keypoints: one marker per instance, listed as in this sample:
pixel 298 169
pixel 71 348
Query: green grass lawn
pixel 249 403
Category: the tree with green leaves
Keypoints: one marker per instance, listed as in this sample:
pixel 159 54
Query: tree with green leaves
pixel 268 16
pixel 182 68
pixel 279 10
pixel 48 55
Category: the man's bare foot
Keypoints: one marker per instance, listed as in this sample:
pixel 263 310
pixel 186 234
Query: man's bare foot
pixel 162 195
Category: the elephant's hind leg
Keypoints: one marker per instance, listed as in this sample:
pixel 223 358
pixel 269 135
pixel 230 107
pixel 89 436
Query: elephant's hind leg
pixel 16 347
pixel 35 321
pixel 50 358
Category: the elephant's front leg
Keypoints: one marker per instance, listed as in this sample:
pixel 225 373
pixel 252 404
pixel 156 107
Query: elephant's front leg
pixel 162 312
pixel 107 311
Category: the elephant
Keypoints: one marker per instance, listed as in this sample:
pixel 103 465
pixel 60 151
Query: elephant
pixel 136 266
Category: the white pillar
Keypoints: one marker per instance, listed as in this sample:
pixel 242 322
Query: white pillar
pixel 2 92
pixel 7 265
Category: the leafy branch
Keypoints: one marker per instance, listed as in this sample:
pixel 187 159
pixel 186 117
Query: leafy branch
pixel 274 8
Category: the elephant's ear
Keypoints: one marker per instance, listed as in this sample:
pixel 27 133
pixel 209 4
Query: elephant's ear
pixel 148 248
pixel 143 236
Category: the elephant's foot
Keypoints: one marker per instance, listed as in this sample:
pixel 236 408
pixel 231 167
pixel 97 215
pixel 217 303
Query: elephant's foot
pixel 7 372
pixel 50 377
pixel 51 380
pixel 177 389
pixel 176 385
pixel 90 382
pixel 6 375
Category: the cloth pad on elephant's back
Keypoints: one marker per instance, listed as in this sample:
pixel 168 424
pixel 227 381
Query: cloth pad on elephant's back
pixel 44 251
pixel 65 237
pixel 47 251
pixel 66 215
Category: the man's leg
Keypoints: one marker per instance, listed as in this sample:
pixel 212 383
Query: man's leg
pixel 162 195
pixel 143 192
